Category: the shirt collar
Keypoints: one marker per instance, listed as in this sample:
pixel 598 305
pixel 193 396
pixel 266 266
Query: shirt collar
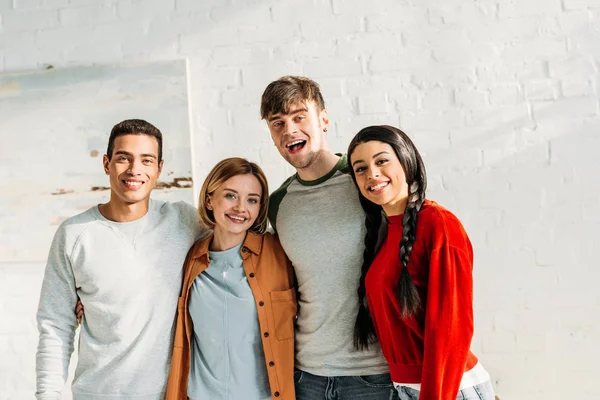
pixel 253 242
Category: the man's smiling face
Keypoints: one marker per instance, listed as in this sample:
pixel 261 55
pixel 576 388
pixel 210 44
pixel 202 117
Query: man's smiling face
pixel 299 135
pixel 133 168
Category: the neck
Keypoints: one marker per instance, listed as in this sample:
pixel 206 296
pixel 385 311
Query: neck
pixel 397 207
pixel 323 163
pixel 224 240
pixel 119 211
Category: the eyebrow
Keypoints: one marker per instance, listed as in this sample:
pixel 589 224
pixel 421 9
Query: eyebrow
pixel 296 111
pixel 236 192
pixel 374 156
pixel 126 153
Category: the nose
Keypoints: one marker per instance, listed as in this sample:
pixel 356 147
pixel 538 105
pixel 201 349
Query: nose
pixel 134 167
pixel 291 128
pixel 238 206
pixel 374 173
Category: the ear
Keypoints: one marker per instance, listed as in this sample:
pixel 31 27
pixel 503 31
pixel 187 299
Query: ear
pixel 160 167
pixel 324 119
pixel 208 203
pixel 105 164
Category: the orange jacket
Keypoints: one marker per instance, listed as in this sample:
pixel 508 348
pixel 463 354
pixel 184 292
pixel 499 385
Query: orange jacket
pixel 271 279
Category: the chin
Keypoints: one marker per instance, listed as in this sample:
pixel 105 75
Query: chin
pixel 136 199
pixel 238 231
pixel 377 201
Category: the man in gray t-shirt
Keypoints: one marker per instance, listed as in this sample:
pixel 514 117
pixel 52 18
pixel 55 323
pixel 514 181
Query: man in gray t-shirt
pixel 123 259
pixel 319 220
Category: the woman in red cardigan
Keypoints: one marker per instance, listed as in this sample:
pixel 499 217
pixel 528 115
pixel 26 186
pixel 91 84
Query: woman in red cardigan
pixel 416 288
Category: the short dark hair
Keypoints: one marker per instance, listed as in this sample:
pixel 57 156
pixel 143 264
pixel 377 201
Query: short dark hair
pixel 134 127
pixel 286 91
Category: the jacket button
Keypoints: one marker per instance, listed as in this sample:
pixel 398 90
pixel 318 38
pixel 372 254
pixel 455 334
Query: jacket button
pixel 261 303
pixel 276 394
pixel 251 275
pixel 266 334
pixel 271 363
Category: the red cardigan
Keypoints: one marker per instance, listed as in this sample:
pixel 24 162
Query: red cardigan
pixel 431 347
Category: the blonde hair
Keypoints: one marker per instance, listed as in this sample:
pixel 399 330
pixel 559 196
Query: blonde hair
pixel 224 170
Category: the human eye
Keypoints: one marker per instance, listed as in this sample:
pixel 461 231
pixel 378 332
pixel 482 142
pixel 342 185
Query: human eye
pixel 382 161
pixel 252 200
pixel 277 124
pixel 148 161
pixel 229 196
pixel 359 169
pixel 122 159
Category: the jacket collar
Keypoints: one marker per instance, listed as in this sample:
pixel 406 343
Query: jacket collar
pixel 252 242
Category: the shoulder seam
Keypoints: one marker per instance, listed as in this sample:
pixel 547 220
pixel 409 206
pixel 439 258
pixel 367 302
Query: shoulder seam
pixel 78 240
pixel 277 195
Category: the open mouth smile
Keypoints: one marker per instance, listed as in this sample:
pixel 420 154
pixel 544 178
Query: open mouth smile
pixel 132 185
pixel 378 188
pixel 295 146
pixel 236 219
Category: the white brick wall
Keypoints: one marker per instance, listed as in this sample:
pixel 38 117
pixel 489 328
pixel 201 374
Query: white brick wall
pixel 502 96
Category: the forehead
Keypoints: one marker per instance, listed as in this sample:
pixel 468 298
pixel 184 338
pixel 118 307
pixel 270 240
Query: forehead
pixel 243 183
pixel 295 107
pixel 136 144
pixel 366 150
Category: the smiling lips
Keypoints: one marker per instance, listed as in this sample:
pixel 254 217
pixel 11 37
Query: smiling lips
pixel 295 146
pixel 236 219
pixel 378 187
pixel 132 185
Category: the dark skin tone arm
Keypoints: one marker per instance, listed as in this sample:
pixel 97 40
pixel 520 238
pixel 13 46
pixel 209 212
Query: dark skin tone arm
pixel 79 311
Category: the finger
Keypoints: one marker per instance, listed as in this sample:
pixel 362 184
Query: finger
pixel 79 311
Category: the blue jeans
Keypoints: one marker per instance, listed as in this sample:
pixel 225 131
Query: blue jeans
pixel 367 387
pixel 483 391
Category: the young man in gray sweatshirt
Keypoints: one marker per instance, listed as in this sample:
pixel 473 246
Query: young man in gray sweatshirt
pixel 123 259
pixel 320 223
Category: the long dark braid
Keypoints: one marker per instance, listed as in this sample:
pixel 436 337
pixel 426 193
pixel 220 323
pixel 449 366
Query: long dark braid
pixel 408 296
pixel 364 331
pixel 416 178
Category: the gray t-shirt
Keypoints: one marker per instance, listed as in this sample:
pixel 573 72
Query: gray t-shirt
pixel 321 226
pixel 228 360
pixel 128 277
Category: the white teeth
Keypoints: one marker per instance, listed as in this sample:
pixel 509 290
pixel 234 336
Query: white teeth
pixel 133 183
pixel 377 187
pixel 294 142
pixel 237 218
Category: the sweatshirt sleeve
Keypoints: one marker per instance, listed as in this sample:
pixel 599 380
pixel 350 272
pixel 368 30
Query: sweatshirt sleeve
pixel 56 321
pixel 189 217
pixel 448 322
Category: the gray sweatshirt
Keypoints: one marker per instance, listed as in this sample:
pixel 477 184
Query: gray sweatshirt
pixel 128 277
pixel 321 226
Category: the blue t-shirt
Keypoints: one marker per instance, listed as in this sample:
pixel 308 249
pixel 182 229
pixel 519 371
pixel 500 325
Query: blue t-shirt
pixel 227 360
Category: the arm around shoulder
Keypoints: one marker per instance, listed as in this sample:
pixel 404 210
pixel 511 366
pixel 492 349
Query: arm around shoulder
pixel 190 218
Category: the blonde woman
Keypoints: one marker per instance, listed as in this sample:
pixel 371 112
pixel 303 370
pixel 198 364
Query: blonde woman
pixel 234 336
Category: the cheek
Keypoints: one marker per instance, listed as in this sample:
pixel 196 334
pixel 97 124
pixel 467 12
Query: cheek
pixel 152 172
pixel 218 208
pixel 254 210
pixel 275 136
pixel 360 181
pixel 364 192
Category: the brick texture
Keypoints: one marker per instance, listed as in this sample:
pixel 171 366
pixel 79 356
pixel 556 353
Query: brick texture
pixel 502 97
